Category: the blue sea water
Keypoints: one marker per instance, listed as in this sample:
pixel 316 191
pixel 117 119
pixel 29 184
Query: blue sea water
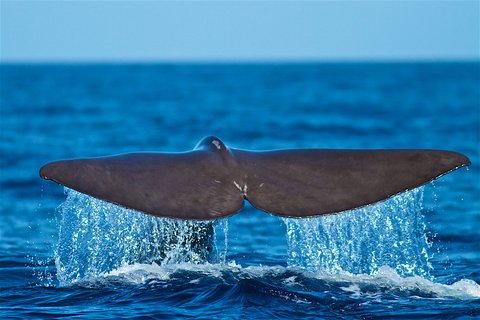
pixel 416 255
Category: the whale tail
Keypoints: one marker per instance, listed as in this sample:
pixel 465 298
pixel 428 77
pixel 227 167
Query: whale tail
pixel 212 181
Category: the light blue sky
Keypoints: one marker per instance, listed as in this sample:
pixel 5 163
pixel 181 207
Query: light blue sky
pixel 139 31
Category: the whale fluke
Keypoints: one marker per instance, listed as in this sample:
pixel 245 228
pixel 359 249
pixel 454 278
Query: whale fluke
pixel 301 183
pixel 212 181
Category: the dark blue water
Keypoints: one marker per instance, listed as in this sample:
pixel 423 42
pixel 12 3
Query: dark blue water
pixel 62 253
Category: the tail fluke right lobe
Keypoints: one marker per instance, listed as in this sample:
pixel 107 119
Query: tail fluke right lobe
pixel 301 183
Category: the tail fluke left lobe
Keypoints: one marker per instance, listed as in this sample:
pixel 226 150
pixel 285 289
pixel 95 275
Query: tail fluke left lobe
pixel 190 185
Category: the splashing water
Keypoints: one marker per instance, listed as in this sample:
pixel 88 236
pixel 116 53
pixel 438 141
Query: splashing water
pixel 365 251
pixel 361 241
pixel 96 237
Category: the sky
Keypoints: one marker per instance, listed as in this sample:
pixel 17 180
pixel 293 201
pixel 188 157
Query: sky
pixel 237 31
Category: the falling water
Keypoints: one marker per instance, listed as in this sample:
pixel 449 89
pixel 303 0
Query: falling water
pixel 96 237
pixel 390 233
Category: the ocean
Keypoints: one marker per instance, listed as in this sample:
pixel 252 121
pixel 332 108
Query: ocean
pixel 64 254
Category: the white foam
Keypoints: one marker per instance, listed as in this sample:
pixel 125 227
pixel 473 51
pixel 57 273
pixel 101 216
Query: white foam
pixel 140 273
pixel 355 285
pixel 387 279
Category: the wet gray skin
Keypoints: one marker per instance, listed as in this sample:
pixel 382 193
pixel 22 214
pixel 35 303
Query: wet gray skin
pixel 212 181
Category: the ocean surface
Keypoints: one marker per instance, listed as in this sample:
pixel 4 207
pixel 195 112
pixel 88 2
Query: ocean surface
pixel 64 254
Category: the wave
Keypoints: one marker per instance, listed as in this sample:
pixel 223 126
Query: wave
pixel 386 280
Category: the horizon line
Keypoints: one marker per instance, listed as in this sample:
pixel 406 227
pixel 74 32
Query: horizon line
pixel 233 61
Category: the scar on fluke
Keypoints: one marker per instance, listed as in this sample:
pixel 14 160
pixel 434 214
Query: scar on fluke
pixel 212 181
